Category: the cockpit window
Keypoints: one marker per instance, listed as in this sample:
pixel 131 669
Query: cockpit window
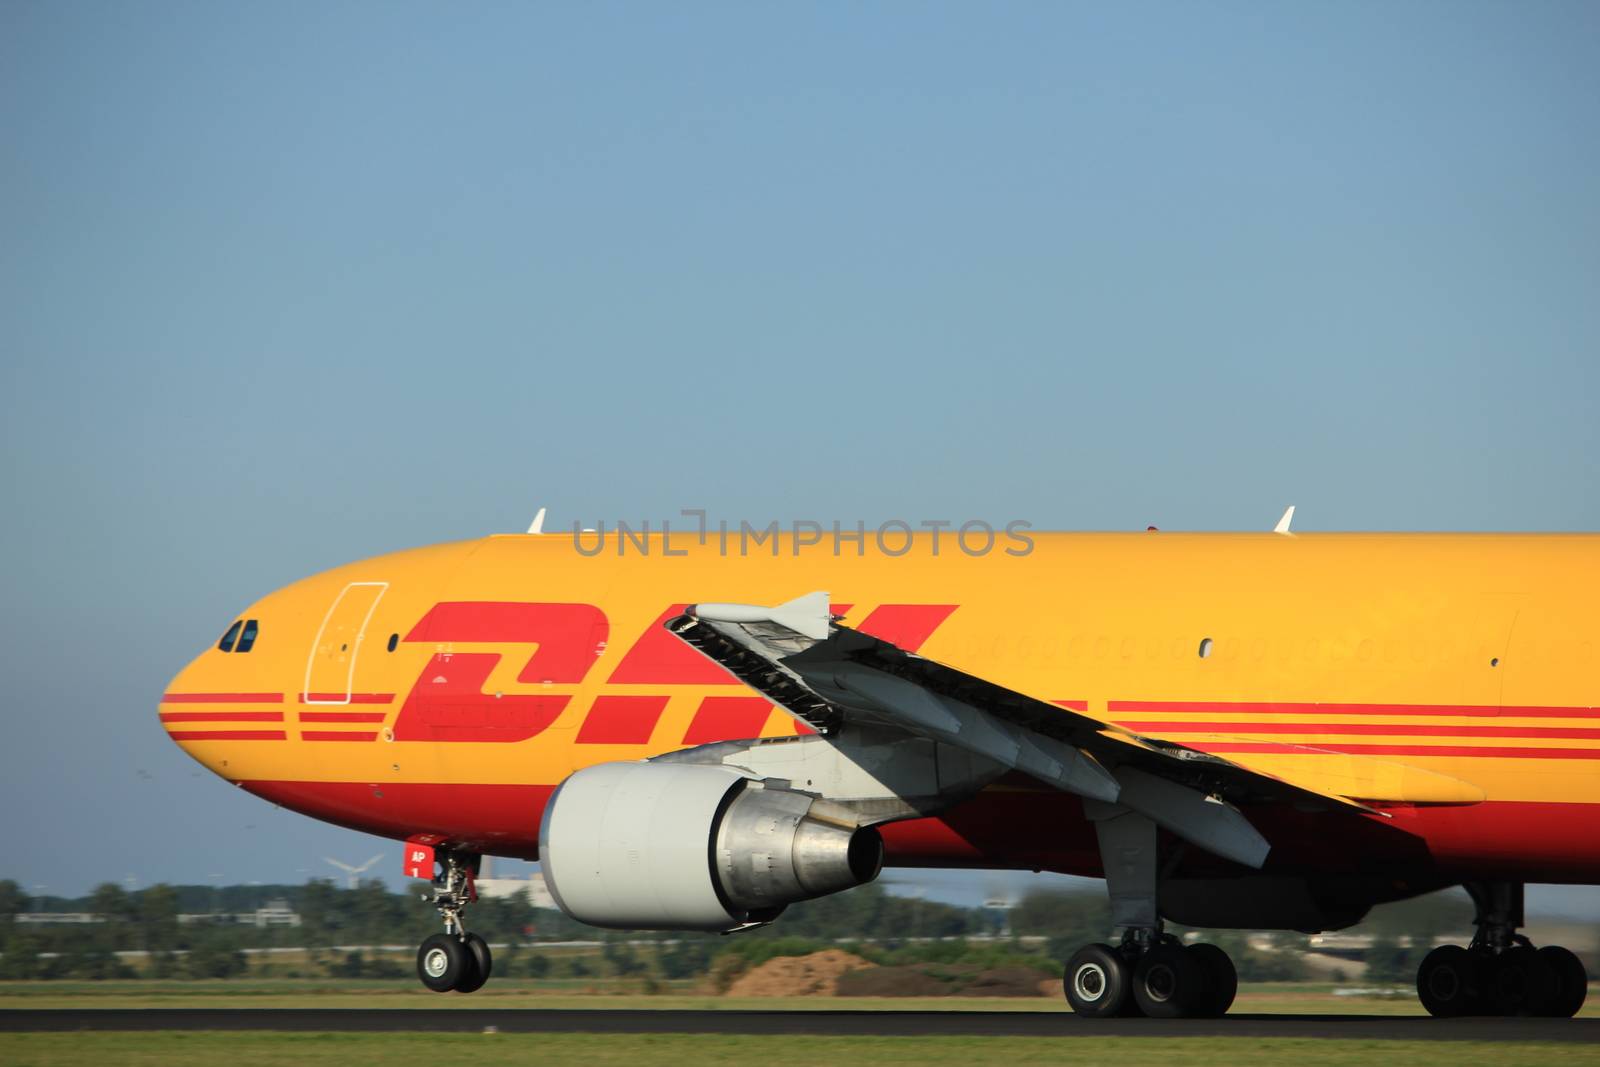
pixel 226 644
pixel 247 639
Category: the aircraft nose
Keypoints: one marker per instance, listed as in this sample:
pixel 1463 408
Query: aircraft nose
pixel 185 709
pixel 210 705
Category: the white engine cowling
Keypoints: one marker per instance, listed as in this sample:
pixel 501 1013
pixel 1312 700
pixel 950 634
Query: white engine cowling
pixel 677 846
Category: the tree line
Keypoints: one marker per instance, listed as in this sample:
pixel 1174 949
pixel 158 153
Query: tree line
pixel 138 934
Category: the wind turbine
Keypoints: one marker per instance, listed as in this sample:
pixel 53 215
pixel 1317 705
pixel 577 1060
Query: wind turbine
pixel 354 873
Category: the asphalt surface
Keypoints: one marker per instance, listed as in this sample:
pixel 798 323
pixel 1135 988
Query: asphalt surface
pixel 846 1023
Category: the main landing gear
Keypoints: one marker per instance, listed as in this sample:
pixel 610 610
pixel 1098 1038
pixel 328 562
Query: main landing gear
pixel 1501 973
pixel 454 960
pixel 1148 972
pixel 1160 977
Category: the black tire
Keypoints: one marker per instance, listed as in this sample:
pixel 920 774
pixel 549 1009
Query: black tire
pixel 1223 984
pixel 482 965
pixel 1523 982
pixel 1448 982
pixel 442 960
pixel 1169 983
pixel 1097 982
pixel 1572 982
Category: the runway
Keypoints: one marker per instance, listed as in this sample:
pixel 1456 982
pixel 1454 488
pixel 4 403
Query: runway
pixel 845 1023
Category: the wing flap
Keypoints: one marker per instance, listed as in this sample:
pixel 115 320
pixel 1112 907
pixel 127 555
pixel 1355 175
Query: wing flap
pixel 849 676
pixel 1347 774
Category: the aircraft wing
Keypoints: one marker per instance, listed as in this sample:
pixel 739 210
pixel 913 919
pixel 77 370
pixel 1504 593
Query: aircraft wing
pixel 831 676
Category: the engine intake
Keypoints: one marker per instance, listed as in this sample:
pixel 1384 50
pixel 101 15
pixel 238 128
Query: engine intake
pixel 674 846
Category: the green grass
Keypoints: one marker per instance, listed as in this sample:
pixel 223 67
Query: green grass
pixel 255 1049
pixel 522 993
pixel 1270 998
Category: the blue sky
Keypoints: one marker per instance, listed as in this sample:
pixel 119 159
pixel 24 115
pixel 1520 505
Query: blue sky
pixel 287 285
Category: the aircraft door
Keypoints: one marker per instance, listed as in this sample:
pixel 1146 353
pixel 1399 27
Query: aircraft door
pixel 331 667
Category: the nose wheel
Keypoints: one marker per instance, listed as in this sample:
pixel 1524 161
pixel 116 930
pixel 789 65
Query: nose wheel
pixel 454 961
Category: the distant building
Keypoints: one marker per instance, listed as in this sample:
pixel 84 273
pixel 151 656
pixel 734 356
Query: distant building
pixel 276 912
pixel 502 888
pixel 492 888
pixel 58 918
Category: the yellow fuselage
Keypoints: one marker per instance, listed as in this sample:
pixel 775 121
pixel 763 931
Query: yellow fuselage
pixel 444 691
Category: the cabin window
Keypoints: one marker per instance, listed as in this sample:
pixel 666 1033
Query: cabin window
pixel 1205 648
pixel 226 644
pixel 247 639
pixel 394 639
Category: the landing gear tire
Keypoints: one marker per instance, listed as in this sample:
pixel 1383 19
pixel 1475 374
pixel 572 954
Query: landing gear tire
pixel 1222 984
pixel 1098 982
pixel 454 960
pixel 443 961
pixel 1170 983
pixel 1572 982
pixel 1524 983
pixel 1448 982
pixel 482 965
pixel 1522 980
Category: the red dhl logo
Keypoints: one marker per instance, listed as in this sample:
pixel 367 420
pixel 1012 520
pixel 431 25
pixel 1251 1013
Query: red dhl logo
pixel 448 701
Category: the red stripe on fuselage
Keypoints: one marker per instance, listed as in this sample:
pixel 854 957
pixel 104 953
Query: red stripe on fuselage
pixel 227 735
pixel 221 698
pixel 1532 733
pixel 340 698
pixel 222 716
pixel 1270 708
pixel 337 735
pixel 343 716
pixel 1484 752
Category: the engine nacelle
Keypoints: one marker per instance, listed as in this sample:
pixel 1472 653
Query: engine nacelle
pixel 678 846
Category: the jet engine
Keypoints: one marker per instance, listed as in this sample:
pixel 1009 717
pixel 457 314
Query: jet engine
pixel 675 846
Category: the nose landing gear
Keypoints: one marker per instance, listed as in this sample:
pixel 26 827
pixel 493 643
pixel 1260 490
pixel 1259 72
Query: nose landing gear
pixel 454 960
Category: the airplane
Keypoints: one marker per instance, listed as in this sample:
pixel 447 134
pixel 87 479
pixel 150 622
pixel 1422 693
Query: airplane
pixel 1270 730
